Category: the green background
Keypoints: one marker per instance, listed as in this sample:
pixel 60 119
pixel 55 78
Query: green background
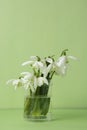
pixel 44 27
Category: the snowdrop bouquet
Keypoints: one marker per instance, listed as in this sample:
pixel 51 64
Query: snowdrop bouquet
pixel 38 82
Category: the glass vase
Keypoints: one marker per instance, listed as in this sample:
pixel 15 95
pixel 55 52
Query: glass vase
pixel 37 106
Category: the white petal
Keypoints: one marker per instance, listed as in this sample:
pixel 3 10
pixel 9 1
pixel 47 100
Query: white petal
pixel 72 57
pixel 35 65
pixel 25 73
pixel 27 86
pixel 45 72
pixel 40 64
pixel 61 61
pixel 49 60
pixel 24 81
pixel 49 67
pixel 10 81
pixel 63 70
pixel 27 63
pixel 15 82
pixel 34 58
pixel 28 77
pixel 40 81
pixel 45 81
pixel 32 89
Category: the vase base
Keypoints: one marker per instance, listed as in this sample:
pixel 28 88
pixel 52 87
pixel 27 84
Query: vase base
pixel 38 118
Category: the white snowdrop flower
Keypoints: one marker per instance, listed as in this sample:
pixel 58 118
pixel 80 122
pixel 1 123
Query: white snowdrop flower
pixel 62 64
pixel 15 82
pixel 49 60
pixel 42 80
pixel 34 63
pixel 31 61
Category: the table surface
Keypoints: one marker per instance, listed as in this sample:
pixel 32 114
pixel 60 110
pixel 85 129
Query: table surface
pixel 62 119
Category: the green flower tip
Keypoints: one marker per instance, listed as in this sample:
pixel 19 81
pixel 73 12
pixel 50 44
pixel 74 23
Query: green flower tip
pixel 64 52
